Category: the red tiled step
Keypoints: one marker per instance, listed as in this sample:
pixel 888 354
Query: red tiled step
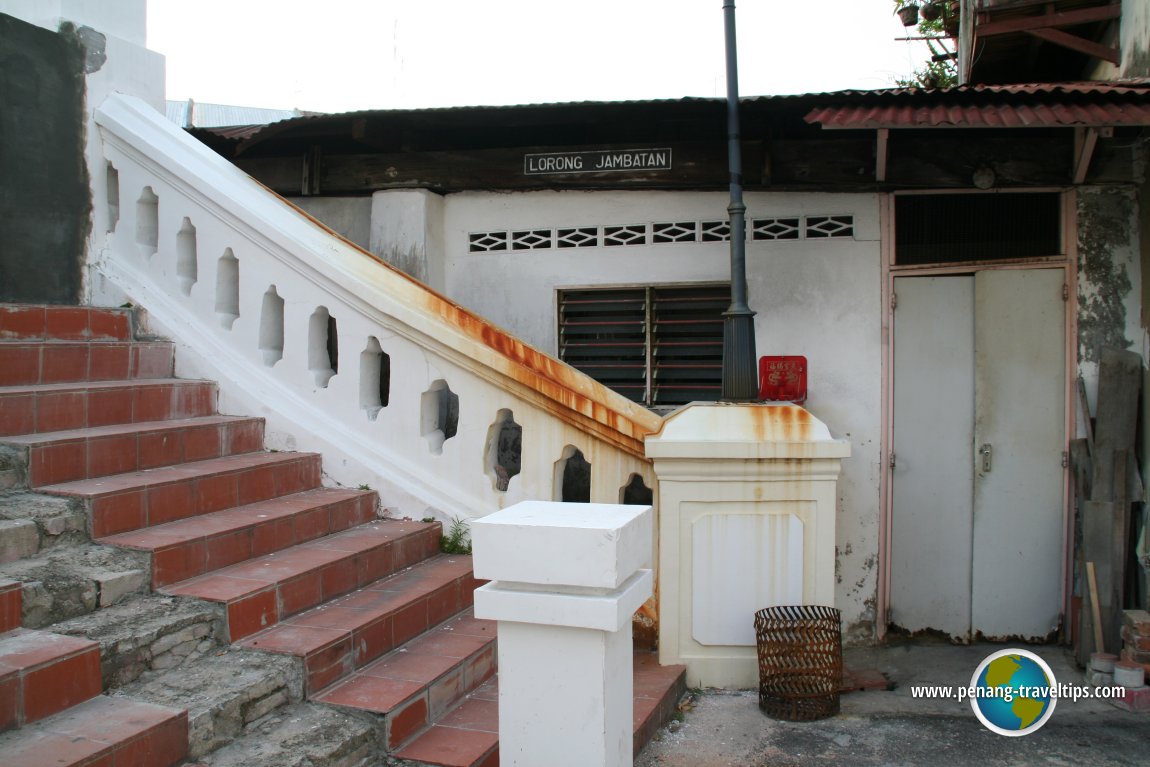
pixel 46 362
pixel 657 691
pixel 190 547
pixel 469 735
pixel 58 407
pixel 263 591
pixel 123 502
pixel 352 631
pixel 79 323
pixel 42 674
pixel 64 456
pixel 417 684
pixel 11 604
pixel 102 732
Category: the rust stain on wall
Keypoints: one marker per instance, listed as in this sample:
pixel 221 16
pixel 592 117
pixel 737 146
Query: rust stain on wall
pixel 565 392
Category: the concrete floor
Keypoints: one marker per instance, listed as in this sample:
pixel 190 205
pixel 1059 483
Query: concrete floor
pixel 726 728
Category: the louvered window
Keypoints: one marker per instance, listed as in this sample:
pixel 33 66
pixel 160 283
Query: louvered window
pixel 655 345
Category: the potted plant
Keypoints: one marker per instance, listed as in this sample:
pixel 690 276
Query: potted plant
pixel 907 13
pixel 931 12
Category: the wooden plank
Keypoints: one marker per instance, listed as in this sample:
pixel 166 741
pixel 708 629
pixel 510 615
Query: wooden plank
pixel 1116 421
pixel 1083 468
pixel 1097 529
pixel 1084 411
pixel 1094 611
pixel 1119 542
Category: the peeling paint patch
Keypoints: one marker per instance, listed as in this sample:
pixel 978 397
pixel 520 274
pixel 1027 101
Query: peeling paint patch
pixel 1105 230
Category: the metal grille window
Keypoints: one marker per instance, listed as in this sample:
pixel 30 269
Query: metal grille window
pixel 961 228
pixel 655 345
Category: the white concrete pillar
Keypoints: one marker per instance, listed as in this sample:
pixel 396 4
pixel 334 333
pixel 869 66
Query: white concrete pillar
pixel 407 232
pixel 747 497
pixel 565 580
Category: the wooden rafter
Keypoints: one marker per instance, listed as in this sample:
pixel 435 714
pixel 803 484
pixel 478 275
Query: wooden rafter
pixel 1047 26
pixel 1076 43
pixel 881 154
pixel 1049 20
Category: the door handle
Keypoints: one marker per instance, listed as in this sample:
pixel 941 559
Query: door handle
pixel 986 451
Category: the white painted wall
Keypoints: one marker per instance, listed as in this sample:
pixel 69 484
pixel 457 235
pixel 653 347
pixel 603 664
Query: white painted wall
pixel 818 298
pixel 350 217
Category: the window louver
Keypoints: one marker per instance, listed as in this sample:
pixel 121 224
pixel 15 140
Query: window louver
pixel 656 346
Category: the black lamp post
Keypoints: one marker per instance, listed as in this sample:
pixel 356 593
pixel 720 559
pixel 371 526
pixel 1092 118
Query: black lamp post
pixel 740 376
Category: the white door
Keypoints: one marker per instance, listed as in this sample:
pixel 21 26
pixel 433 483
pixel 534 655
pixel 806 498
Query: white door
pixel 979 386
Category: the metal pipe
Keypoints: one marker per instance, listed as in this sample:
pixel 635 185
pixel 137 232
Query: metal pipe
pixel 740 376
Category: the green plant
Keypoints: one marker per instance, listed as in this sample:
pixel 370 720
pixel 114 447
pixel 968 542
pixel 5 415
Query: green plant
pixel 428 520
pixel 458 538
pixel 365 486
pixel 941 70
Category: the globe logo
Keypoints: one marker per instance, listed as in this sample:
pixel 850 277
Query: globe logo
pixel 1013 692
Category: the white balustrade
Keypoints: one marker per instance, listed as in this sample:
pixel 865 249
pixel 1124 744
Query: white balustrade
pixel 399 387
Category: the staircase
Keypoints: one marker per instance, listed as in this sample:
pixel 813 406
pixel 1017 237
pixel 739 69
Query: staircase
pixel 171 593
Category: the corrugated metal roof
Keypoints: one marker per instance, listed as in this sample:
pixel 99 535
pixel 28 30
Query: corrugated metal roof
pixel 1052 115
pixel 194 114
pixel 1022 105
pixel 1011 105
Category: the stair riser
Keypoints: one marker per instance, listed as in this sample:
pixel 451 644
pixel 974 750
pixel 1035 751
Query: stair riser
pixel 104 733
pixel 10 605
pixel 160 503
pixel 191 558
pixel 31 412
pixel 386 633
pixel 31 364
pixel 28 695
pixel 439 697
pixel 70 459
pixel 69 323
pixel 280 601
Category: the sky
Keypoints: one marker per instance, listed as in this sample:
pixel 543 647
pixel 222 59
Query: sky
pixel 345 55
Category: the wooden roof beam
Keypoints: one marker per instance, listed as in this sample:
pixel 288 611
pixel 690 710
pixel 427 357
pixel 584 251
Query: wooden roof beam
pixel 1085 141
pixel 881 154
pixel 1049 20
pixel 1076 43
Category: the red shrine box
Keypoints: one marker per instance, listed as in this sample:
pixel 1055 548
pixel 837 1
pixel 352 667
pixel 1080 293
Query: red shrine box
pixel 783 379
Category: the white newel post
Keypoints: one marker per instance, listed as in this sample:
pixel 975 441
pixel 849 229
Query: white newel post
pixel 747 497
pixel 565 581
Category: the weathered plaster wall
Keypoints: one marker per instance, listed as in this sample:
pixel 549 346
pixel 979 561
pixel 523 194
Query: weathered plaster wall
pixel 109 40
pixel 1109 278
pixel 407 232
pixel 43 178
pixel 350 217
pixel 1134 43
pixel 819 298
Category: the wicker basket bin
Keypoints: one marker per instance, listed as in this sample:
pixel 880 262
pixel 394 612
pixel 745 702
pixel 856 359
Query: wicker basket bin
pixel 800 661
